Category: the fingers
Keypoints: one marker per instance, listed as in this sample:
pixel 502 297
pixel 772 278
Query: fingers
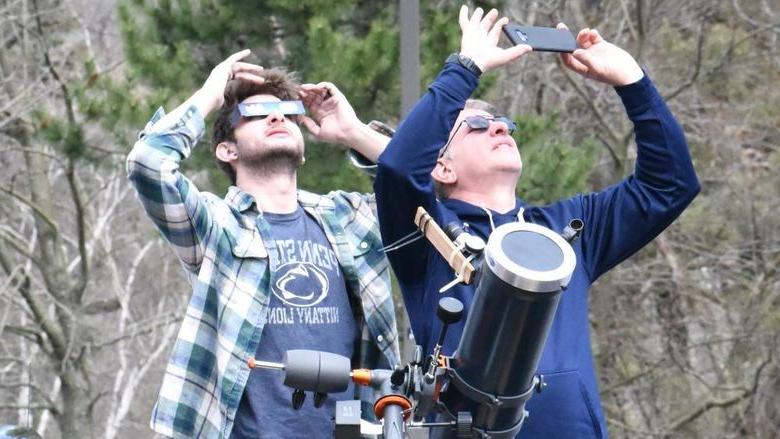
pixel 463 17
pixel 583 38
pixel 330 89
pixel 515 52
pixel 325 90
pixel 495 32
pixel 583 57
pixel 247 72
pixel 237 56
pixel 587 37
pixel 310 124
pixel 246 67
pixel 595 36
pixel 488 20
pixel 476 17
pixel 248 77
pixel 572 63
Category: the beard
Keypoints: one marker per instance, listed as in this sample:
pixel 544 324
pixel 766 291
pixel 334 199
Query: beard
pixel 273 159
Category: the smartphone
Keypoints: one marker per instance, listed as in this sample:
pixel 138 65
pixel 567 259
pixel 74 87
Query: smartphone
pixel 544 39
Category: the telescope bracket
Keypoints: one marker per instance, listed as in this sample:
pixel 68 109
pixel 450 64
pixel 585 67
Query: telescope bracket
pixel 495 402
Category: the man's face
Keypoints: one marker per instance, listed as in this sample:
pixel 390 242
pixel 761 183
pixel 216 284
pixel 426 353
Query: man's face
pixel 271 139
pixel 476 153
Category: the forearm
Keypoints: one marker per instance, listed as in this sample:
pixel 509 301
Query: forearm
pixel 366 141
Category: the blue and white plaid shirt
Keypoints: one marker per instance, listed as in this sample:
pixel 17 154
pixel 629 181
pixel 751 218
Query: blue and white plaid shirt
pixel 224 246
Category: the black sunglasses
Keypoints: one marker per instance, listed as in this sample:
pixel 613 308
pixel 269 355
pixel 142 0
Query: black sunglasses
pixel 480 123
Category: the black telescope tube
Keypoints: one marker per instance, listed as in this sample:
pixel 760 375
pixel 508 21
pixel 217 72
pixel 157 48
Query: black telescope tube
pixel 506 329
pixel 499 352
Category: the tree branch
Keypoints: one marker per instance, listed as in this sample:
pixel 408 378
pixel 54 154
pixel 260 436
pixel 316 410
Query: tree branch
pixel 77 292
pixel 37 209
pixel 723 403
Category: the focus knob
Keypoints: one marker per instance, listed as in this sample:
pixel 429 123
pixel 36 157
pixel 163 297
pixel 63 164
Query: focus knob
pixel 450 310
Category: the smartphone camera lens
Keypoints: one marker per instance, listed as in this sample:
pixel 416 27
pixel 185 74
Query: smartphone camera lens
pixel 521 35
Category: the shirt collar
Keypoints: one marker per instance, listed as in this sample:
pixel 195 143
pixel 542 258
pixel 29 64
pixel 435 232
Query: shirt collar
pixel 243 201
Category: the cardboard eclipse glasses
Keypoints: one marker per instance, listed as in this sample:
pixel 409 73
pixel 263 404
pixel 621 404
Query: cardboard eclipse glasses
pixel 263 109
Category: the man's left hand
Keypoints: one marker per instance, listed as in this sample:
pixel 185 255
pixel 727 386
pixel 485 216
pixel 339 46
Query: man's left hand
pixel 600 60
pixel 332 117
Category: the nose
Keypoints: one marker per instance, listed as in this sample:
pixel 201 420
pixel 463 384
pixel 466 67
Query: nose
pixel 498 128
pixel 275 118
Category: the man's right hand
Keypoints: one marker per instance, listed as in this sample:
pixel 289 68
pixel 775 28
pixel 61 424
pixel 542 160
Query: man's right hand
pixel 480 39
pixel 211 95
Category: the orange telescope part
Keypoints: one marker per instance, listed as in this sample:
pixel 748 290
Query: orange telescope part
pixel 361 376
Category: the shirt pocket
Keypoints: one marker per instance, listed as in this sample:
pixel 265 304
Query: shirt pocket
pixel 562 410
pixel 242 273
pixel 247 243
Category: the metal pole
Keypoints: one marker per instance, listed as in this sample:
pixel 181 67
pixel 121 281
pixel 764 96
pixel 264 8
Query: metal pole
pixel 410 54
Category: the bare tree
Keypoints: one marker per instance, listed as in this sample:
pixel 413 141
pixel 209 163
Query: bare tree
pixel 84 310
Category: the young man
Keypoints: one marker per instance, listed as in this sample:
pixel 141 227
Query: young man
pixel 272 267
pixel 469 155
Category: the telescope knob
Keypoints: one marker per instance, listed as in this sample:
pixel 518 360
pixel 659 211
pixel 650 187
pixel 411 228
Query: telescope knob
pixel 450 310
pixel 298 396
pixel 398 376
pixel 463 425
pixel 319 399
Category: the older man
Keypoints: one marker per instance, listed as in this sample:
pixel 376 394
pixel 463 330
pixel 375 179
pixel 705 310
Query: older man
pixel 462 152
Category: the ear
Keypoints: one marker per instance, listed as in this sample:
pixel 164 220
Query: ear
pixel 444 173
pixel 227 152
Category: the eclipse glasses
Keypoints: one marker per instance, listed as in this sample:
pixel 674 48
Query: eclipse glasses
pixel 262 109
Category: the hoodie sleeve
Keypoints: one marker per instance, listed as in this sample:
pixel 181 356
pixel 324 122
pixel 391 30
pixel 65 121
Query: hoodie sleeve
pixel 404 181
pixel 622 218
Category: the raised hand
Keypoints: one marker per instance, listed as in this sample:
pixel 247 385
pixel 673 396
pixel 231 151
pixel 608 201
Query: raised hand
pixel 480 36
pixel 600 60
pixel 332 117
pixel 212 94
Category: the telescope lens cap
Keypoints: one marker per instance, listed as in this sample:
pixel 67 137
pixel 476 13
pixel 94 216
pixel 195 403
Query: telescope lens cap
pixel 532 250
pixel 450 310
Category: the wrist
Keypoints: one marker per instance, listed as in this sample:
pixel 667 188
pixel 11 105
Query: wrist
pixel 205 102
pixel 631 74
pixel 469 63
pixel 352 132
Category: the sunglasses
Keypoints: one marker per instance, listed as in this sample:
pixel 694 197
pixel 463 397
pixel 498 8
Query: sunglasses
pixel 260 110
pixel 480 123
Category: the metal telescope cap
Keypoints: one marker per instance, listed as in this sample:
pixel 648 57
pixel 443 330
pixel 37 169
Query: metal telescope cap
pixel 530 257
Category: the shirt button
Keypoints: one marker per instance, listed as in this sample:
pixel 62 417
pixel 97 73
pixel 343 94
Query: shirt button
pixel 363 245
pixel 379 338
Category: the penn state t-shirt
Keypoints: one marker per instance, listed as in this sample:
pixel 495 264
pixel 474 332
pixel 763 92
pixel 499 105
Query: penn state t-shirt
pixel 309 309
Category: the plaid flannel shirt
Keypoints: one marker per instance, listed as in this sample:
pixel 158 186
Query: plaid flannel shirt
pixel 224 246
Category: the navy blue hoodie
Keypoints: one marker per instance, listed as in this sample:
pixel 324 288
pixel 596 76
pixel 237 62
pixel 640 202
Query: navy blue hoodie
pixel 619 220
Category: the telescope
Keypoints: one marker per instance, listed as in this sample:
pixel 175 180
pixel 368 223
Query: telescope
pixel 481 390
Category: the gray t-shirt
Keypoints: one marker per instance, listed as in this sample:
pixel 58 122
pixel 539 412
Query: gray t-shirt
pixel 309 309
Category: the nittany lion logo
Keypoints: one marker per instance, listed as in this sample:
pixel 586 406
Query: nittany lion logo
pixel 300 284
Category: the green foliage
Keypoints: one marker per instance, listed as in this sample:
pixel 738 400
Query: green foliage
pixel 552 169
pixel 67 138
